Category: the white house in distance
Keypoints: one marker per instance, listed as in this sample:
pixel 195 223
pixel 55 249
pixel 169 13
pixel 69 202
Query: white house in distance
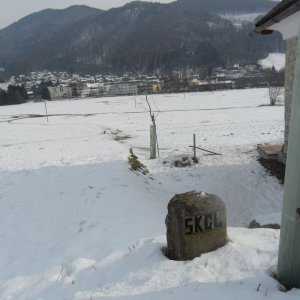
pixel 60 92
pixel 123 88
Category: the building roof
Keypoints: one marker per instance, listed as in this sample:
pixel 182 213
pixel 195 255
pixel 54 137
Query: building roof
pixel 281 11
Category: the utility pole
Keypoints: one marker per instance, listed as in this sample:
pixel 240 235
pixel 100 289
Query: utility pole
pixel 289 248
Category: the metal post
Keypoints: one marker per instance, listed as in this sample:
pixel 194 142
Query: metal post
pixel 289 248
pixel 152 141
pixel 195 146
pixel 46 111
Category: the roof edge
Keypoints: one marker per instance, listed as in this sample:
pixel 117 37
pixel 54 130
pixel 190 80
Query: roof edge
pixel 282 11
pixel 278 10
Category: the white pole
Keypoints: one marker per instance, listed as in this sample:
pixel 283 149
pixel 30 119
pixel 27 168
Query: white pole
pixel 46 111
pixel 194 140
pixel 153 141
pixel 289 248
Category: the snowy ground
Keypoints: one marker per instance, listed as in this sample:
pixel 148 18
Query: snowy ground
pixel 77 224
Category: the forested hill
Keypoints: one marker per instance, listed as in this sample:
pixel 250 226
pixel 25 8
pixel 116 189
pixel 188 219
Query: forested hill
pixel 139 36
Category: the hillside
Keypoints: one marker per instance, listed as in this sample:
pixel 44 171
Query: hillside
pixel 139 36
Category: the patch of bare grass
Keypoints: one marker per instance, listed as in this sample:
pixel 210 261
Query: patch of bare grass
pixel 135 164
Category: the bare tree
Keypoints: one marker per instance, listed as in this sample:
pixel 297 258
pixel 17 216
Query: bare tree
pixel 274 93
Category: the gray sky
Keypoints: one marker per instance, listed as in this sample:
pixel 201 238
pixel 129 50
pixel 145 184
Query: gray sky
pixel 13 10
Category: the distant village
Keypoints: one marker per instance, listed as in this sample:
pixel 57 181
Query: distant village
pixel 62 85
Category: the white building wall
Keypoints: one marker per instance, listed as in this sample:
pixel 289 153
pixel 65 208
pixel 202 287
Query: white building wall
pixel 289 28
pixel 123 89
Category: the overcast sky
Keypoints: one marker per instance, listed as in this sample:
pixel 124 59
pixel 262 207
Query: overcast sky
pixel 13 10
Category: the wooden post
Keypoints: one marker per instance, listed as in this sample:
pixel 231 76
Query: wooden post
pixel 152 141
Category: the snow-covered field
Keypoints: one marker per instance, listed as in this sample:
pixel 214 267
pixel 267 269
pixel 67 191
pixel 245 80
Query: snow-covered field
pixel 273 59
pixel 78 224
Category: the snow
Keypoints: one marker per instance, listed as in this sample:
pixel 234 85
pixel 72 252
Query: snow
pixel 273 59
pixel 77 223
pixel 3 86
pixel 239 20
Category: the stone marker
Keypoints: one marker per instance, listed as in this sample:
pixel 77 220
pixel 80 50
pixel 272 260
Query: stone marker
pixel 196 224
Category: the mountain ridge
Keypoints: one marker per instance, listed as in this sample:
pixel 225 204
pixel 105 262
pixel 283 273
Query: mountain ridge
pixel 139 36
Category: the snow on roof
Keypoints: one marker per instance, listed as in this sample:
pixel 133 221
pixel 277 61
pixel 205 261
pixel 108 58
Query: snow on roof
pixel 4 86
pixel 94 85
